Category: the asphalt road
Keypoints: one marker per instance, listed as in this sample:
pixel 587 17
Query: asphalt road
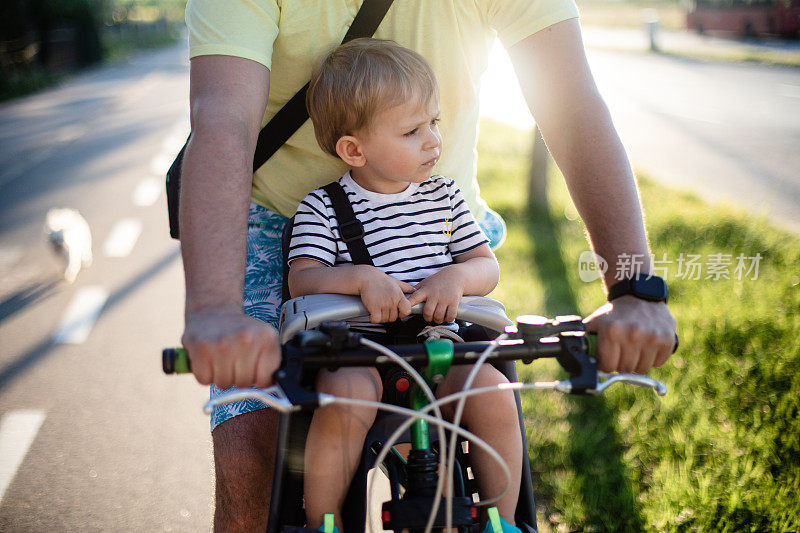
pixel 114 444
pixel 729 132
pixel 92 436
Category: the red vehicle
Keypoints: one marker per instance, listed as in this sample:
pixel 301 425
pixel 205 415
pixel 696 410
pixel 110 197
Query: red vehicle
pixel 745 18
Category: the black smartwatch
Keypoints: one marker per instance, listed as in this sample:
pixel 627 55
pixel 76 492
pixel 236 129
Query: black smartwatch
pixel 642 286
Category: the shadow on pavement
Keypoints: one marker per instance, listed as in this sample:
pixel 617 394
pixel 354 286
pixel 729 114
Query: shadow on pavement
pixel 34 292
pixel 37 353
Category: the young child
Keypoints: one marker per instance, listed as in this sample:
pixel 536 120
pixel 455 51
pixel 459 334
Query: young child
pixel 375 105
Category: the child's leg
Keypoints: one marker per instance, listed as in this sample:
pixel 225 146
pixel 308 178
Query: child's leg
pixel 492 417
pixel 335 440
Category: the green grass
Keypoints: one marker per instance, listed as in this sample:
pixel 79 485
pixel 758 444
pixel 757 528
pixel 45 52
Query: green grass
pixel 720 451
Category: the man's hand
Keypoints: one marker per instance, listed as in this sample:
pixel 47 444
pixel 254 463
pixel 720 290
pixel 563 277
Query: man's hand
pixel 441 293
pixel 382 295
pixel 633 335
pixel 229 348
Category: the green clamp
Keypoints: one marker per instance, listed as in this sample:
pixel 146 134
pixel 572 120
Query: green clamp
pixel 440 357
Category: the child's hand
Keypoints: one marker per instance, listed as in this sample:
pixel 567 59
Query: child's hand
pixel 382 295
pixel 441 293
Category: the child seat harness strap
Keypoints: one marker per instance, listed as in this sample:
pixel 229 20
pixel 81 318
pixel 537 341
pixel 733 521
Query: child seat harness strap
pixel 350 228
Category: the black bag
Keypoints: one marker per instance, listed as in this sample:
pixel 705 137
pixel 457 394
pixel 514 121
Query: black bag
pixel 285 122
pixel 174 191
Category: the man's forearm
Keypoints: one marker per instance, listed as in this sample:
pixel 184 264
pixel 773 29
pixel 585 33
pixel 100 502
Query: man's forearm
pixel 601 184
pixel 215 192
pixel 633 335
pixel 561 93
pixel 228 96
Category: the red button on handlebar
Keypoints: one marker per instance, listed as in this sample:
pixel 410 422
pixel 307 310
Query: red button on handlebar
pixel 401 384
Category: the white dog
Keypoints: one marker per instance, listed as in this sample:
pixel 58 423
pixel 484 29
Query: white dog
pixel 71 238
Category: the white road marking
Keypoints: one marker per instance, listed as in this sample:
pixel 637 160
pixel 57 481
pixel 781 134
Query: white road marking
pixel 123 237
pixel 81 314
pixel 147 192
pixel 18 429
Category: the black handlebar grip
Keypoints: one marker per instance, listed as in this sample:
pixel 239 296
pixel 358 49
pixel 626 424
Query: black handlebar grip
pixel 175 361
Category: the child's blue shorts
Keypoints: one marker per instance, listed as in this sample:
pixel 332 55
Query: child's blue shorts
pixel 263 281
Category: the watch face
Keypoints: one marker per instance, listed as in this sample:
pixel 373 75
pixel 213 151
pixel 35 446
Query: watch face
pixel 650 289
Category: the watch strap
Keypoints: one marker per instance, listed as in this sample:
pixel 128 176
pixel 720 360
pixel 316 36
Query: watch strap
pixel 629 287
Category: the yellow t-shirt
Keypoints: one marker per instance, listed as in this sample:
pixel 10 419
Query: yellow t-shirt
pixel 290 37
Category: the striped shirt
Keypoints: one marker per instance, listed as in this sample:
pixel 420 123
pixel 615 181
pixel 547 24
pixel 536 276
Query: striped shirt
pixel 409 235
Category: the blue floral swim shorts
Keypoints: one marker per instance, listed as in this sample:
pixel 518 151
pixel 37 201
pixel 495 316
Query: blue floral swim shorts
pixel 263 282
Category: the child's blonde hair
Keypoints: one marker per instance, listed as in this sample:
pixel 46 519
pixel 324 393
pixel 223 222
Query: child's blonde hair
pixel 361 78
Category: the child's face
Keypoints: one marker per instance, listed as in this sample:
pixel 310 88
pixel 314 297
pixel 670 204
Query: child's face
pixel 401 146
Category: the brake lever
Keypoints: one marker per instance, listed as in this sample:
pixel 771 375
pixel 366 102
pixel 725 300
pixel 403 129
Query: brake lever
pixel 630 379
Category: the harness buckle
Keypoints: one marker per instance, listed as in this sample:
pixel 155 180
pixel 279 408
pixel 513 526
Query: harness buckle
pixel 351 231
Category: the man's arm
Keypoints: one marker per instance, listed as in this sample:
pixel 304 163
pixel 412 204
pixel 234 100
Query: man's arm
pixel 557 83
pixel 228 96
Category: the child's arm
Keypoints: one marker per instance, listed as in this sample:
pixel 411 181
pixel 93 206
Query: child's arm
pixel 382 295
pixel 474 273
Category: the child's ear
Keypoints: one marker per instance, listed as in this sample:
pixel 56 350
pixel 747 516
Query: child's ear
pixel 349 149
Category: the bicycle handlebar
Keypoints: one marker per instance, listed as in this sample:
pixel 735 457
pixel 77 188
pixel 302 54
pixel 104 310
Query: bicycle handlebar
pixel 534 337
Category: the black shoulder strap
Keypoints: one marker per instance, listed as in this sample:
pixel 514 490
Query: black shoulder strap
pixel 350 227
pixel 286 239
pixel 294 113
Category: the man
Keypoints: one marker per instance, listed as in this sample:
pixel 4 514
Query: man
pixel 248 58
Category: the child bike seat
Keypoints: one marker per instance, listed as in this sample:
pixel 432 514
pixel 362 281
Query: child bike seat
pixel 308 312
